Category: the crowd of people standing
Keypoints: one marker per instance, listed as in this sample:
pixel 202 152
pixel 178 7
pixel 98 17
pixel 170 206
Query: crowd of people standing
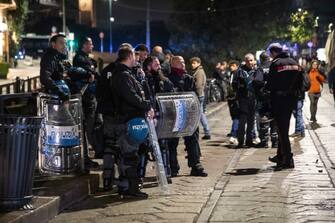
pixel 261 98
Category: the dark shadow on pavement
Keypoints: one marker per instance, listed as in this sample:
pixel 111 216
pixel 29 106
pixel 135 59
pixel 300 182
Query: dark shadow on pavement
pixel 150 179
pixel 218 141
pixel 333 125
pixel 247 171
pixel 213 144
pixel 230 146
pixel 313 126
pixel 150 185
pixel 98 201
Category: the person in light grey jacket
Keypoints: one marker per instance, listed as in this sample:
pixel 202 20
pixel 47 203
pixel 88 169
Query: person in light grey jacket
pixel 200 83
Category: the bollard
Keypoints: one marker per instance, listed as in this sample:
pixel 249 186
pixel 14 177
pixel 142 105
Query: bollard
pixel 17 85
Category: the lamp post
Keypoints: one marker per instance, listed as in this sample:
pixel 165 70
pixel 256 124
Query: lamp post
pixel 310 45
pixel 111 20
pixel 148 40
pixel 64 17
pixel 330 27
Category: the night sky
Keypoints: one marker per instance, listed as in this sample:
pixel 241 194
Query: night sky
pixel 131 11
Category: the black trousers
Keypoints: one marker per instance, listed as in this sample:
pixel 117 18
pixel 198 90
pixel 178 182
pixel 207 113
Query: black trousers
pixel 89 107
pixel 246 117
pixel 192 149
pixel 121 151
pixel 282 108
pixel 264 132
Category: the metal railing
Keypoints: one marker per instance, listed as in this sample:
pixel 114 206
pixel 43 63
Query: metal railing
pixel 21 85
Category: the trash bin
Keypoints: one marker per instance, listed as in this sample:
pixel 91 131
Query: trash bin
pixel 179 114
pixel 18 150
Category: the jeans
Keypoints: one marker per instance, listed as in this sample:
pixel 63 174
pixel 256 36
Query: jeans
pixel 234 128
pixel 299 121
pixel 203 119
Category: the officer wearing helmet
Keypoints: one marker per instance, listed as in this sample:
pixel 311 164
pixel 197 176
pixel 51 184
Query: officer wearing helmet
pixel 284 83
pixel 124 124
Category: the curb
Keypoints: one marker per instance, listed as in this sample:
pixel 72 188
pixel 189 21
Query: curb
pixel 52 196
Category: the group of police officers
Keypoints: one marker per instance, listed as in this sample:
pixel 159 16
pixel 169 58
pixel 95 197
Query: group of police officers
pixel 126 89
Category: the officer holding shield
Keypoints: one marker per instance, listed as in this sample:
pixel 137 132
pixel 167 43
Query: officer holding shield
pixel 124 124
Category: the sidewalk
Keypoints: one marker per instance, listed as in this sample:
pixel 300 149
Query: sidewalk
pixel 54 194
pixel 242 186
pixel 323 129
pixel 22 71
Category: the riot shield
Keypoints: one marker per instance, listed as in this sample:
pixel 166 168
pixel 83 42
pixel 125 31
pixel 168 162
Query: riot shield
pixel 159 166
pixel 179 114
pixel 60 146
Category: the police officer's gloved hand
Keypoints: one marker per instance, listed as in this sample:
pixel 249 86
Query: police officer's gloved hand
pixel 63 97
pixel 151 113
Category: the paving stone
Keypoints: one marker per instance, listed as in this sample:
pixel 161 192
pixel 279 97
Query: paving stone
pixel 254 191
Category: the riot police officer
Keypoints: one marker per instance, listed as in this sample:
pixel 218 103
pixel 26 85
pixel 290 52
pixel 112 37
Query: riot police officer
pixel 183 82
pixel 266 122
pixel 285 81
pixel 123 101
pixel 52 68
pixel 82 59
pixel 153 83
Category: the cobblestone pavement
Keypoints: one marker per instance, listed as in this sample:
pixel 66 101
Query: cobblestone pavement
pixel 242 186
pixel 325 125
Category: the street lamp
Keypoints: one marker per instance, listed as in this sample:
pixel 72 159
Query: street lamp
pixel 316 22
pixel 111 20
pixel 330 27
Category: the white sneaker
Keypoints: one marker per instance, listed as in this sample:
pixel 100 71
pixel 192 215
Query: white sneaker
pixel 233 140
pixel 256 141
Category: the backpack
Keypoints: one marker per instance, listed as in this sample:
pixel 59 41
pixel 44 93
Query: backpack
pixel 306 82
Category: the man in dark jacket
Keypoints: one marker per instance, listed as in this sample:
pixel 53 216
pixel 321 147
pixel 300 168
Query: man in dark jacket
pixel 285 80
pixel 266 122
pixel 82 59
pixel 242 85
pixel 183 82
pixel 165 64
pixel 142 51
pixel 297 112
pixel 232 102
pixel 52 68
pixel 126 96
pixel 155 82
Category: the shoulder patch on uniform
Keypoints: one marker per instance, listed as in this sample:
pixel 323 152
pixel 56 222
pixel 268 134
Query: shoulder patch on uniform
pixel 288 68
